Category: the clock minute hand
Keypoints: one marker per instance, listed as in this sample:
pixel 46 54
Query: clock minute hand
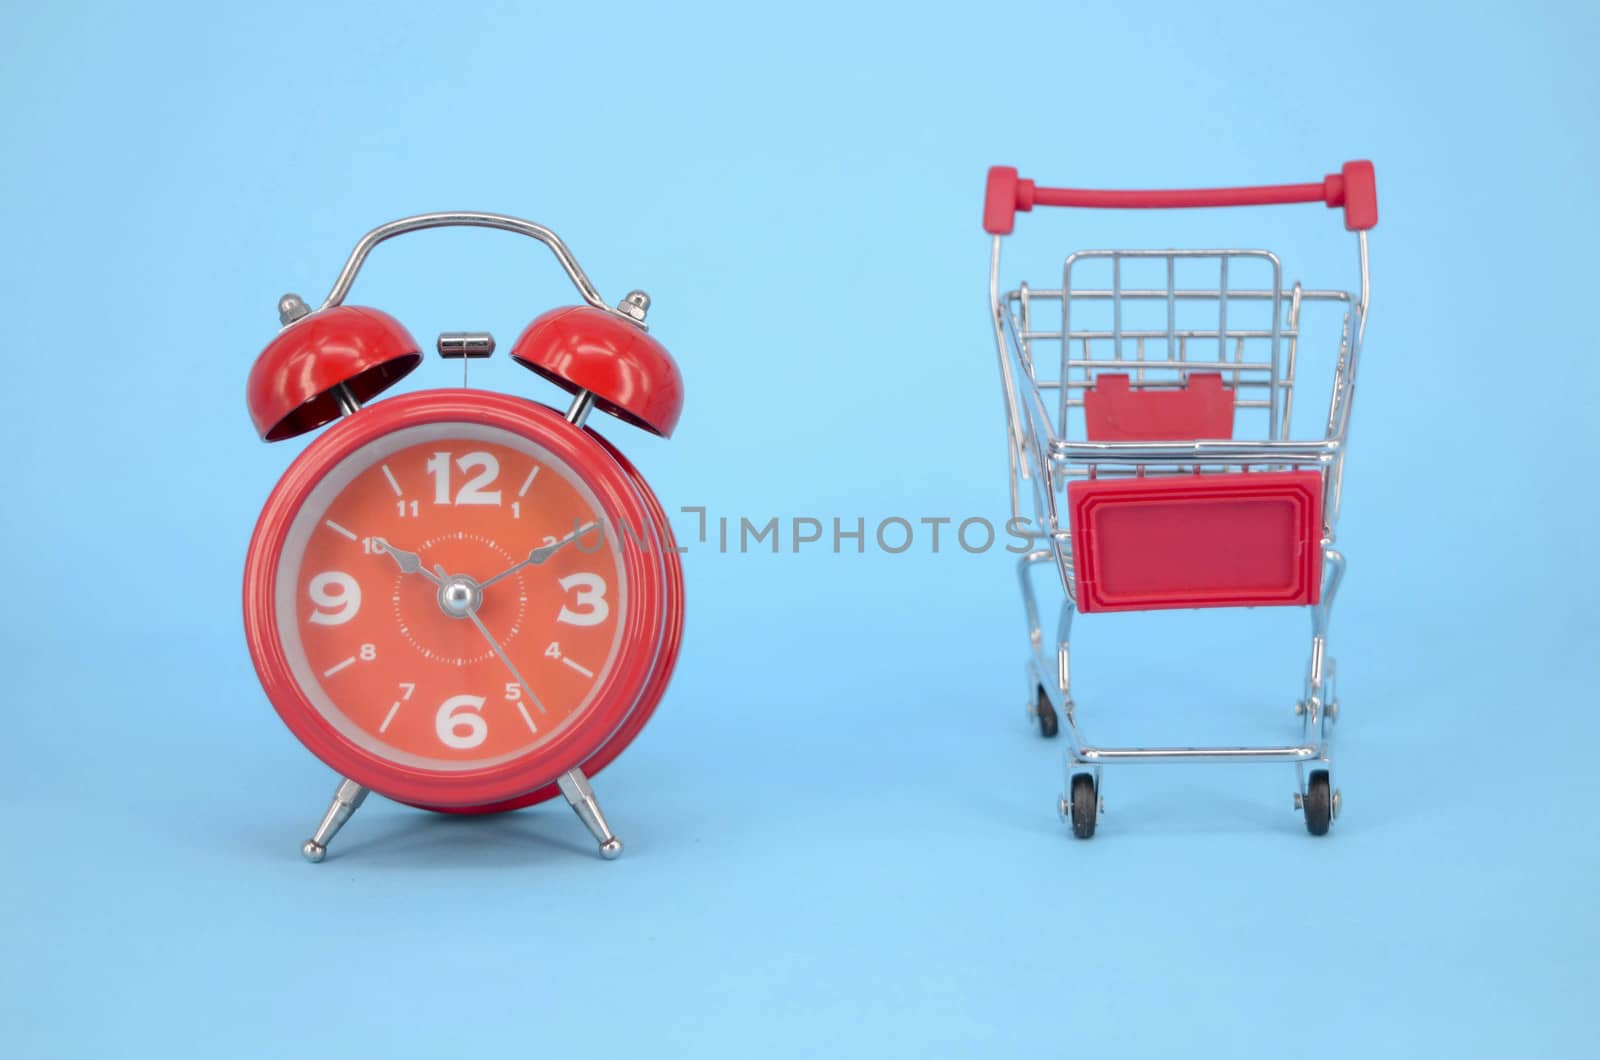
pixel 410 562
pixel 544 552
pixel 540 554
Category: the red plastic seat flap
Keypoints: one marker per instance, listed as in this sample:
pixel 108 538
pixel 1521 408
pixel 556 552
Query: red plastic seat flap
pixel 1113 411
pixel 1221 540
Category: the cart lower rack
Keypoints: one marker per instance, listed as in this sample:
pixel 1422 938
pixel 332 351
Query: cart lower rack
pixel 1149 401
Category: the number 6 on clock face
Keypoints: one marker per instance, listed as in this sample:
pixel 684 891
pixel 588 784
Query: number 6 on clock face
pixel 458 726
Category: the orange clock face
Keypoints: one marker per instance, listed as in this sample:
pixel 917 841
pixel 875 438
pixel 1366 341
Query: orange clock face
pixel 450 596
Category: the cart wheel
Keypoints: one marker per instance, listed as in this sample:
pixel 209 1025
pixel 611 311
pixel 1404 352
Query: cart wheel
pixel 1049 724
pixel 1084 803
pixel 1318 803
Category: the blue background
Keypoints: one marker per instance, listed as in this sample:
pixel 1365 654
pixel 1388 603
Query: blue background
pixel 841 834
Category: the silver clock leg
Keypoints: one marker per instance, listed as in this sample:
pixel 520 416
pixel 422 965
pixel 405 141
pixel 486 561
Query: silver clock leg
pixel 347 798
pixel 575 786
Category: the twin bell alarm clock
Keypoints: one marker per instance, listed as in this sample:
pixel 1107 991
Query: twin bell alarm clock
pixel 460 599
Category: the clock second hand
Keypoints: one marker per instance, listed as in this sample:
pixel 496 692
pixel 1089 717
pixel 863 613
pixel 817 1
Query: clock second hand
pixel 472 615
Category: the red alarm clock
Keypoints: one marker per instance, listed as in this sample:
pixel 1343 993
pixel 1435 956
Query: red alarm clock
pixel 462 600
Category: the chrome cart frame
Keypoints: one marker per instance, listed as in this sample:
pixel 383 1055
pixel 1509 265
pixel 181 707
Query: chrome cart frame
pixel 1150 318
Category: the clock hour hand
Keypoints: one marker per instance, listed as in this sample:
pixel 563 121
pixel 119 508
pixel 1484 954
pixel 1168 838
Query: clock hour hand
pixel 540 554
pixel 410 562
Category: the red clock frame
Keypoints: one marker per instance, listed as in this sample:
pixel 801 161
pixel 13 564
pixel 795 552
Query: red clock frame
pixel 651 632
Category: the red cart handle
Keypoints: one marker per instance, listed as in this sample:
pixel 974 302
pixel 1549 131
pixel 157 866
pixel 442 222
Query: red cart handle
pixel 1354 187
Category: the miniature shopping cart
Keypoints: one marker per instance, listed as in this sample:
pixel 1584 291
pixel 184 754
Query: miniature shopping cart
pixel 1149 399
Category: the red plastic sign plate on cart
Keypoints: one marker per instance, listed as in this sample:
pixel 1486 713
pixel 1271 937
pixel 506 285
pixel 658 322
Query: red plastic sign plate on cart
pixel 1114 411
pixel 1220 540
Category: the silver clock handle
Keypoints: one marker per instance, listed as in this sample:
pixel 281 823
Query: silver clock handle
pixel 470 219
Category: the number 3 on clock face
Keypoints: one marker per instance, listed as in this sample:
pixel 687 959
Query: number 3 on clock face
pixel 457 610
